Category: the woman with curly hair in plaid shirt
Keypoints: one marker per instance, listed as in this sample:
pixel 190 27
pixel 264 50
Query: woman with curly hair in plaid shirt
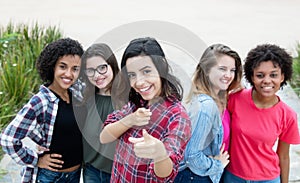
pixel 49 120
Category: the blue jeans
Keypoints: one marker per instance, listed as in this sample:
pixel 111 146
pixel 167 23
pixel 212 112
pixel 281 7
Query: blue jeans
pixel 94 175
pixel 230 178
pixel 187 176
pixel 48 176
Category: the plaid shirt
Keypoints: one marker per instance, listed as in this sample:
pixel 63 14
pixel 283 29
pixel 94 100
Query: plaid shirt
pixel 169 123
pixel 36 121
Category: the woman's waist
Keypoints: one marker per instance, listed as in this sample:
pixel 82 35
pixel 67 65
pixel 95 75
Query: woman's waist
pixel 69 159
pixel 70 169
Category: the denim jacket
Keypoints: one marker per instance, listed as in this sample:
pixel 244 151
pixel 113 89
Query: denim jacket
pixel 206 140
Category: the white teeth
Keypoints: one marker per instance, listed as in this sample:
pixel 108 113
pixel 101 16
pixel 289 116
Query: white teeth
pixel 144 89
pixel 67 80
pixel 224 81
pixel 267 87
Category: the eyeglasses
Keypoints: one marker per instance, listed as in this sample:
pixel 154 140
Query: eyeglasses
pixel 101 69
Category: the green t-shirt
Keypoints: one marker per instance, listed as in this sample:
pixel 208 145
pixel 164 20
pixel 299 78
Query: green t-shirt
pixel 98 155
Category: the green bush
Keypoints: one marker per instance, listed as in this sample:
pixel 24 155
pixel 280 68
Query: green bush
pixel 295 82
pixel 20 46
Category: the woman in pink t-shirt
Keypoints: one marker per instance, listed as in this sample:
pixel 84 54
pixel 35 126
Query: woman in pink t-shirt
pixel 260 119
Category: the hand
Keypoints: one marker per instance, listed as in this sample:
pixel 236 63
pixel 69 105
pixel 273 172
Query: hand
pixel 149 147
pixel 50 162
pixel 140 117
pixel 223 156
pixel 41 149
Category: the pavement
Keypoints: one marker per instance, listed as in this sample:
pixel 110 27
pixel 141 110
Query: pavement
pixel 238 24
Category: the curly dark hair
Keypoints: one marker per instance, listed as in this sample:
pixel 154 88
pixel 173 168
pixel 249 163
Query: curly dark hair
pixel 52 53
pixel 268 52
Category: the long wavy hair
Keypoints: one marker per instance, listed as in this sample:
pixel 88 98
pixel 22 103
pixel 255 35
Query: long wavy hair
pixel 170 85
pixel 200 81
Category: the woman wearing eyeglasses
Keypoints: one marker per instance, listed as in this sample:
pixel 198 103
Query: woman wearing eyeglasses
pixel 99 68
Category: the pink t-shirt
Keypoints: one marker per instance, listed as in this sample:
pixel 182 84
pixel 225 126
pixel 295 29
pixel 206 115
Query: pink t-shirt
pixel 254 132
pixel 226 129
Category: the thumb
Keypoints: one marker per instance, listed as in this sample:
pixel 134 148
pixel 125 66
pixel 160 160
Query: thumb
pixel 147 136
pixel 222 147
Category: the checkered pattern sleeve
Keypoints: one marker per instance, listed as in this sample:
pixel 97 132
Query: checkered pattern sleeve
pixel 23 125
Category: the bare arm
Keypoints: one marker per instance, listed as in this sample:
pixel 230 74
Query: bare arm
pixel 163 168
pixel 284 160
pixel 113 131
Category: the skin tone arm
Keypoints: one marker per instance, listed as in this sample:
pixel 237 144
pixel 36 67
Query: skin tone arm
pixel 163 168
pixel 113 131
pixel 284 160
pixel 152 148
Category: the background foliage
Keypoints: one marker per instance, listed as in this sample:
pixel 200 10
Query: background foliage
pixel 20 46
pixel 295 82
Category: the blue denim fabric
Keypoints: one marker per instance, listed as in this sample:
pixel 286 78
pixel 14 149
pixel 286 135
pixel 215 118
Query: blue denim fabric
pixel 187 176
pixel 230 178
pixel 48 176
pixel 206 140
pixel 94 175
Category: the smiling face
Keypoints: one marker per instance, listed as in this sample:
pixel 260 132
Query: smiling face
pixel 267 78
pixel 66 72
pixel 101 81
pixel 144 77
pixel 222 74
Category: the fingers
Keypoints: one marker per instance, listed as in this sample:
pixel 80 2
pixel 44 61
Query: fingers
pixel 146 139
pixel 54 162
pixel 135 140
pixel 149 147
pixel 143 150
pixel 55 155
pixel 50 162
pixel 41 149
pixel 142 153
pixel 144 145
pixel 140 117
pixel 143 122
pixel 226 155
pixel 143 112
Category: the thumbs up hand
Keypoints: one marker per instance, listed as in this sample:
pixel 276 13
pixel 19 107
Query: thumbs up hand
pixel 149 147
pixel 140 117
